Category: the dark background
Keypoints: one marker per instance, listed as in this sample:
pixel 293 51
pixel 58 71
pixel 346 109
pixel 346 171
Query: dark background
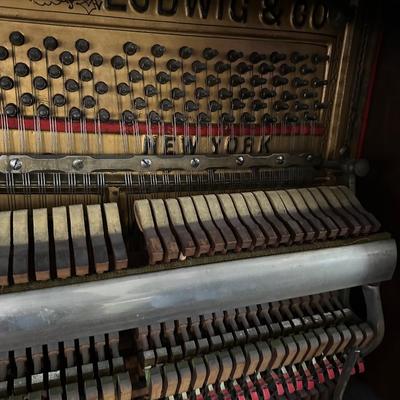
pixel 380 192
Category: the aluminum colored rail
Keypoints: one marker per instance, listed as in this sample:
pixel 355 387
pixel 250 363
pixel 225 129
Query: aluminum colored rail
pixel 54 314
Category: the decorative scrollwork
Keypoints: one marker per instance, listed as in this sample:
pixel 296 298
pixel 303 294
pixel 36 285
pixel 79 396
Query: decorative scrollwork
pixel 87 5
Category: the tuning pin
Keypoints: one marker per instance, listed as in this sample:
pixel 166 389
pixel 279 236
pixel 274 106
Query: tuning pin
pixel 243 68
pixel 128 117
pixel 307 94
pixel 296 57
pixel 158 50
pixel 150 91
pixel 34 54
pixel 305 69
pixel 6 83
pixel 201 93
pixel 3 53
pixel 17 38
pixel 220 67
pixel 11 110
pixel 214 106
pixel 123 89
pixel 185 52
pixel 279 81
pixel 75 113
pixel 287 96
pixel 198 66
pixel 191 106
pixel 71 85
pixel 27 99
pixel 173 65
pixel 236 80
pixel 319 105
pixel 145 63
pixel 309 117
pixel 209 53
pixel 258 105
pixel 319 58
pixel 21 69
pixel 101 87
pixel 255 57
pixel 233 55
pixel 299 106
pixel 103 115
pixel 179 118
pixel 39 83
pixel 135 76
pixel 82 45
pixel 247 118
pixel 140 103
pixel 88 102
pixel 245 93
pixel 50 43
pixel 265 68
pixel 55 71
pixel 266 93
pixel 163 78
pixel 298 82
pixel 285 69
pixel 276 57
pixel 203 119
pixel 96 59
pixel 268 119
pixel 130 48
pixel 188 78
pixel 256 81
pixel 236 104
pixel 166 104
pixel 59 100
pixel 117 62
pixel 43 111
pixel 291 118
pixel 212 80
pixel 224 94
pixel 280 106
pixel 177 93
pixel 85 75
pixel 154 117
pixel 227 118
pixel 66 58
pixel 319 82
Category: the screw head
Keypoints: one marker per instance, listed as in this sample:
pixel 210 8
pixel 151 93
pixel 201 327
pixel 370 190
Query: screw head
pixel 145 163
pixel 78 164
pixel 15 164
pixel 280 159
pixel 309 157
pixel 240 160
pixel 194 162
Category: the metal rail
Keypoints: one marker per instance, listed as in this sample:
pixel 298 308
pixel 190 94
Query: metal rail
pixel 53 314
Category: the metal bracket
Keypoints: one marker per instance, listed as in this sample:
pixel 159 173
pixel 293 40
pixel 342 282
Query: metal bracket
pixel 151 163
pixel 352 358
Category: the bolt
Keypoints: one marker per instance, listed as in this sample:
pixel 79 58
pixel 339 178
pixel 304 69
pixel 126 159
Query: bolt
pixel 309 157
pixel 280 159
pixel 77 164
pixel 240 160
pixel 15 164
pixel 145 163
pixel 195 162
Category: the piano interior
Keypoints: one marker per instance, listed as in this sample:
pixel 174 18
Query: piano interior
pixel 179 216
